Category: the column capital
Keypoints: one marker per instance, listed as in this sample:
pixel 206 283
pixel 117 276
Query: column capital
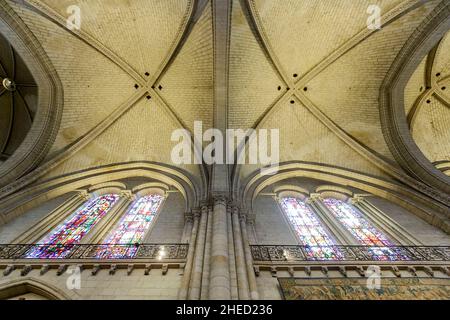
pixel 251 218
pixel 127 194
pixel 356 199
pixel 188 217
pixel 196 213
pixel 204 205
pixel 83 194
pixel 314 197
pixel 219 200
pixel 247 217
pixel 235 210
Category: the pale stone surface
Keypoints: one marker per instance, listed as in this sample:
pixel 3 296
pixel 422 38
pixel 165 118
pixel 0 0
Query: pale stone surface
pixel 19 225
pixel 234 64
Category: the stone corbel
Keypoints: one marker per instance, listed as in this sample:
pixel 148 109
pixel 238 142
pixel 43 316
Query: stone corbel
pixel 95 269
pixel 396 271
pixel 413 271
pixel 429 271
pixel 164 269
pixel 147 269
pixel 343 271
pixel 26 270
pixel 44 269
pixel 361 271
pixel 113 269
pixel 291 271
pixel 445 270
pixel 9 269
pixel 273 271
pixel 308 271
pixel 130 269
pixel 62 268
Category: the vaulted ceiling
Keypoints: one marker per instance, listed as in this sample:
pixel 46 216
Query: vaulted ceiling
pixel 137 70
pixel 18 100
pixel 428 105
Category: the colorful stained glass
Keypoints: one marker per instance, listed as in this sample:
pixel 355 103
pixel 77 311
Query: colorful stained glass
pixel 362 230
pixel 311 233
pixel 57 244
pixel 131 229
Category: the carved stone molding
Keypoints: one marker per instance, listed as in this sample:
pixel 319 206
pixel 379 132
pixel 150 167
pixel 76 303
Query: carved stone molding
pixel 393 118
pixel 50 101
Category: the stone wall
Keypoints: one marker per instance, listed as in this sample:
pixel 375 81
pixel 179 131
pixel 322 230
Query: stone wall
pixel 136 286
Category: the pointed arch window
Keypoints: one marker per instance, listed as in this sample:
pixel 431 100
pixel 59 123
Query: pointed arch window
pixel 131 229
pixel 362 229
pixel 310 231
pixel 57 244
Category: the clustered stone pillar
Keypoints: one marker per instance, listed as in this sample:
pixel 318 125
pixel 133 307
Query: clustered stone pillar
pixel 188 224
pixel 196 281
pixel 241 270
pixel 219 264
pixel 219 278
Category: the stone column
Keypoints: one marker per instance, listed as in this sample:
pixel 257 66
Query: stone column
pixel 254 294
pixel 184 289
pixel 196 279
pixel 232 256
pixel 241 271
pixel 219 278
pixel 206 263
pixel 188 225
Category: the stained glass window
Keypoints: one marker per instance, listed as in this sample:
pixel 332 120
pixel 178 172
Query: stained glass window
pixel 362 230
pixel 131 229
pixel 57 244
pixel 310 231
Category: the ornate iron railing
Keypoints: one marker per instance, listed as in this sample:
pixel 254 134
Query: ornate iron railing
pixel 280 253
pixel 94 251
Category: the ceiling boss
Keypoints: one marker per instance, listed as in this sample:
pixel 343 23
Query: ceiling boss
pixel 8 84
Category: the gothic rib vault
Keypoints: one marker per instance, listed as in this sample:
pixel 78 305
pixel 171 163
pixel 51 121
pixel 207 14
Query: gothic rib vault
pixel 138 70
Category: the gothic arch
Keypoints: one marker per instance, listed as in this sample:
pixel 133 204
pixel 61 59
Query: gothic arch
pixel 50 98
pixel 19 287
pixel 103 178
pixel 425 208
pixel 393 118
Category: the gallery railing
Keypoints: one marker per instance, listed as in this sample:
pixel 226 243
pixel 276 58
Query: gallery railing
pixel 94 251
pixel 275 253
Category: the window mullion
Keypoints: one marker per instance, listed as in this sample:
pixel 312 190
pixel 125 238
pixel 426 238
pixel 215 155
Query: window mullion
pixel 338 231
pixel 54 219
pixel 104 226
pixel 384 223
pixel 286 221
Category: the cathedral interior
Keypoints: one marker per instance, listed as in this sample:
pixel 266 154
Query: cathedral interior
pixel 95 96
